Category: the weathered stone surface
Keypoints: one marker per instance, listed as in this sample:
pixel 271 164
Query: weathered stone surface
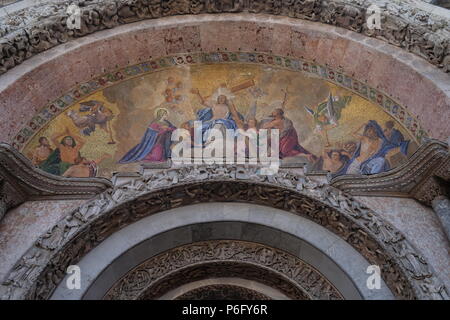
pixel 419 29
pixel 223 258
pixel 441 205
pixel 420 226
pixel 22 226
pixel 405 270
pixel 418 87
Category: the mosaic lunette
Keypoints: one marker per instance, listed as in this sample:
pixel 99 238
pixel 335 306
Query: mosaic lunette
pixel 119 127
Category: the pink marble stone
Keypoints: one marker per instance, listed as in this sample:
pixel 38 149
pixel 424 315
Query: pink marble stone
pixel 282 40
pixel 420 226
pixel 414 83
pixel 22 226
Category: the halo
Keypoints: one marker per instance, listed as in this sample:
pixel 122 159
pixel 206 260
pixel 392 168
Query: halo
pixel 222 91
pixel 155 113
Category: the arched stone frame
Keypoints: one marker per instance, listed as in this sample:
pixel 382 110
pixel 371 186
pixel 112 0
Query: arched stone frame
pixel 157 234
pixel 252 285
pixel 250 267
pixel 407 25
pixel 198 292
pixel 426 74
pixel 381 66
pixel 404 270
pixel 238 259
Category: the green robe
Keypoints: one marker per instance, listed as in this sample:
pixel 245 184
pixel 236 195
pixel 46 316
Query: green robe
pixel 54 165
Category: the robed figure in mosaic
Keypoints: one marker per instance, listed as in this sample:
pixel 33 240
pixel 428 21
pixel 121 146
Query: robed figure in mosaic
pixel 156 142
pixel 373 146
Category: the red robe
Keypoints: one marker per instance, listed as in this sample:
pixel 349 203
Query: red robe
pixel 289 145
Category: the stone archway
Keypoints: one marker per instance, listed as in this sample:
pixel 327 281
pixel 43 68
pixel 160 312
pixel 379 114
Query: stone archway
pixel 299 246
pixel 222 292
pixel 381 67
pixel 220 259
pixel 404 270
pixel 404 62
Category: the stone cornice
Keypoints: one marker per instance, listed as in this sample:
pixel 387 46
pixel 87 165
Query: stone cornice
pixel 417 27
pixel 21 181
pixel 423 177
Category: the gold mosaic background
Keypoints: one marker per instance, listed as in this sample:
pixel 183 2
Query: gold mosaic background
pixel 133 104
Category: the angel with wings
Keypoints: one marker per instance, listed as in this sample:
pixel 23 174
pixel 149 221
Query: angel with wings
pixel 92 113
pixel 328 113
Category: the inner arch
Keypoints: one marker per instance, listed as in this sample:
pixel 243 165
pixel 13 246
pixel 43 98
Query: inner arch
pixel 315 245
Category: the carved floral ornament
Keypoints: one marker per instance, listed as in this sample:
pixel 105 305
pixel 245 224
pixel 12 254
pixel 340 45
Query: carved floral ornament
pixel 222 291
pixel 43 266
pixel 200 260
pixel 32 30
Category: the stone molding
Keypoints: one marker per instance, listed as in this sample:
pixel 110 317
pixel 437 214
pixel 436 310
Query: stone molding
pixel 233 256
pixel 112 259
pixel 424 176
pixel 223 292
pixel 20 181
pixel 369 60
pixel 200 290
pixel 441 206
pixel 420 29
pixel 42 267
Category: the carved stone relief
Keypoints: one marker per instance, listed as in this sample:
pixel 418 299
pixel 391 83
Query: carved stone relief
pixel 32 30
pixel 222 258
pixel 222 292
pixel 404 270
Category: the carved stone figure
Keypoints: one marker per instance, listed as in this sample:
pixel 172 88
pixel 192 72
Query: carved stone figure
pixel 144 278
pixel 23 271
pixel 51 239
pixel 109 15
pixel 378 241
pixel 413 262
pixel 89 210
pixel 350 17
pixel 404 24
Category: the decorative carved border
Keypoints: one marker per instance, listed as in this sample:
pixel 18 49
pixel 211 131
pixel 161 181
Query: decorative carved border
pixel 224 291
pixel 43 266
pixel 415 178
pixel 21 181
pixel 424 176
pixel 81 91
pixel 422 30
pixel 230 258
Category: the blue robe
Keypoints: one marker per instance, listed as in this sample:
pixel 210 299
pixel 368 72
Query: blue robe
pixel 205 116
pixel 148 141
pixel 398 140
pixel 377 162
